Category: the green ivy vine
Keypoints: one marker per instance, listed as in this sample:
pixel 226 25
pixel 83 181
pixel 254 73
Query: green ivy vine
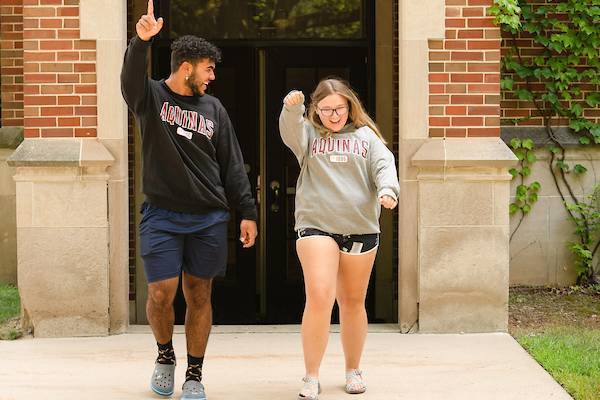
pixel 568 70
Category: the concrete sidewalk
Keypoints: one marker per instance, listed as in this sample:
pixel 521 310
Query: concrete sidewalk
pixel 260 365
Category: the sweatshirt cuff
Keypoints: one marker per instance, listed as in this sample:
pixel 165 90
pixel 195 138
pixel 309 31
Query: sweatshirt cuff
pixel 387 192
pixel 296 109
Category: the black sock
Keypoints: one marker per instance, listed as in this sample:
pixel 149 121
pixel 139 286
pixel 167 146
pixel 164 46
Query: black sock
pixel 166 354
pixel 194 369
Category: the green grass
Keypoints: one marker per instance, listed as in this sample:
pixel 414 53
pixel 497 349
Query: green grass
pixel 10 307
pixel 571 355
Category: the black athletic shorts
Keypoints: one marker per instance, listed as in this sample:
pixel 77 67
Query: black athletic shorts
pixel 349 244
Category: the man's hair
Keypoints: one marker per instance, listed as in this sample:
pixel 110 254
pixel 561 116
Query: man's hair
pixel 192 49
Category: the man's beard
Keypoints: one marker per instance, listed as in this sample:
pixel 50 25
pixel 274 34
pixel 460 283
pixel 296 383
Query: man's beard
pixel 191 83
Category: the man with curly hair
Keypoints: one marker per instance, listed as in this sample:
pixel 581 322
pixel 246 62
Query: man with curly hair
pixel 192 174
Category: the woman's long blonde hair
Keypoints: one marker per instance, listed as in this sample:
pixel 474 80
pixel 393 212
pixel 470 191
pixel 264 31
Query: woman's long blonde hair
pixel 356 111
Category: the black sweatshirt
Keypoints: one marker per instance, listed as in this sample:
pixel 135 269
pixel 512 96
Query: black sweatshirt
pixel 191 159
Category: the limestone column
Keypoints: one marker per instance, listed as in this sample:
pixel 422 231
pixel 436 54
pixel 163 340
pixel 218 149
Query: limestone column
pixel 463 233
pixel 63 236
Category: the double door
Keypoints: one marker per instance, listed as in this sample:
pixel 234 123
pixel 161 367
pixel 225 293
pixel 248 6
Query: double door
pixel 264 284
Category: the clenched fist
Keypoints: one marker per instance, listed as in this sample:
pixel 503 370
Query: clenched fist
pixel 293 98
pixel 388 201
pixel 148 26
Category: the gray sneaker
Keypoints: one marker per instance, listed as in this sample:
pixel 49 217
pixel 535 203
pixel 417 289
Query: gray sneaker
pixel 193 390
pixel 163 379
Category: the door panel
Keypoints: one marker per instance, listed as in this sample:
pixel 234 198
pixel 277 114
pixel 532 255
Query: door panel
pixel 287 69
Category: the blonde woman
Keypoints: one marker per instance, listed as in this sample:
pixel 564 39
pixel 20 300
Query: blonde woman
pixel 346 175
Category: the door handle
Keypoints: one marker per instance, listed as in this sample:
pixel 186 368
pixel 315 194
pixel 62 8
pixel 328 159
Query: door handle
pixel 275 187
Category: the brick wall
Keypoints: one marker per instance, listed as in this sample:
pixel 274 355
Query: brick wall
pixel 513 108
pixel 59 71
pixel 464 73
pixel 11 57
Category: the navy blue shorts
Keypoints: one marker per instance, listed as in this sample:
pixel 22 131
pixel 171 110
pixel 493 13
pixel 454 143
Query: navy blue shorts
pixel 171 241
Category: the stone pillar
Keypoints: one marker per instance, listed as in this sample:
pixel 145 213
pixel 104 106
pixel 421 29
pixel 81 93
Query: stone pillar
pixel 463 233
pixel 9 140
pixel 63 236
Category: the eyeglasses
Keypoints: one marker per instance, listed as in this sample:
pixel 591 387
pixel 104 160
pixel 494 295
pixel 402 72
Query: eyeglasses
pixel 328 112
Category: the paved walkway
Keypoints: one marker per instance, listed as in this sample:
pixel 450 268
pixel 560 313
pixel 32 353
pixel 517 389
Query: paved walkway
pixel 268 365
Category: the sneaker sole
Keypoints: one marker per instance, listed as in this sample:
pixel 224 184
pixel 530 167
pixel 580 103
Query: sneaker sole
pixel 157 391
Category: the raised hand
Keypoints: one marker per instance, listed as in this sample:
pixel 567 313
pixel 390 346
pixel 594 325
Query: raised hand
pixel 148 26
pixel 293 98
pixel 387 201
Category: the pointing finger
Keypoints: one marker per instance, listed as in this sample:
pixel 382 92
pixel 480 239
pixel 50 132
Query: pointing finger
pixel 150 8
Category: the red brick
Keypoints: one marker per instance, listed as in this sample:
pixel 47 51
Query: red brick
pixel 85 44
pixel 85 111
pixel 437 99
pixel 455 44
pixel 456 2
pixel 85 89
pixel 436 132
pixel 438 77
pixel 68 34
pixel 88 100
pixel 39 34
pixel 85 132
pixel 439 121
pixel 456 67
pixel 484 44
pixel 450 34
pixel 473 12
pixel 41 78
pixel 56 44
pixel 71 121
pixel 68 78
pixel 51 2
pixel 67 56
pixel 484 88
pixel 57 89
pixel 456 110
pixel 435 44
pixel 492 78
pixel 89 121
pixel 57 132
pixel 466 99
pixel 40 122
pixel 38 56
pixel 68 11
pixel 484 110
pixel 492 56
pixel 69 100
pixel 439 56
pixel 85 67
pixel 481 23
pixel 56 111
pixel 455 22
pixel 484 132
pixel 467 121
pixel 453 11
pixel 456 132
pixel 436 110
pixel 56 67
pixel 436 89
pixel 51 23
pixel 467 56
pixel 480 2
pixel 483 67
pixel 71 23
pixel 31 133
pixel 470 34
pixel 39 12
pixel 466 77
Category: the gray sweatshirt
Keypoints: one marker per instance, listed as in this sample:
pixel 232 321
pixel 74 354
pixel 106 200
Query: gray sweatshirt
pixel 341 176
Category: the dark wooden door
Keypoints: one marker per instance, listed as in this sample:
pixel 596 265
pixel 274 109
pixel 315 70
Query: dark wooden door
pixel 290 68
